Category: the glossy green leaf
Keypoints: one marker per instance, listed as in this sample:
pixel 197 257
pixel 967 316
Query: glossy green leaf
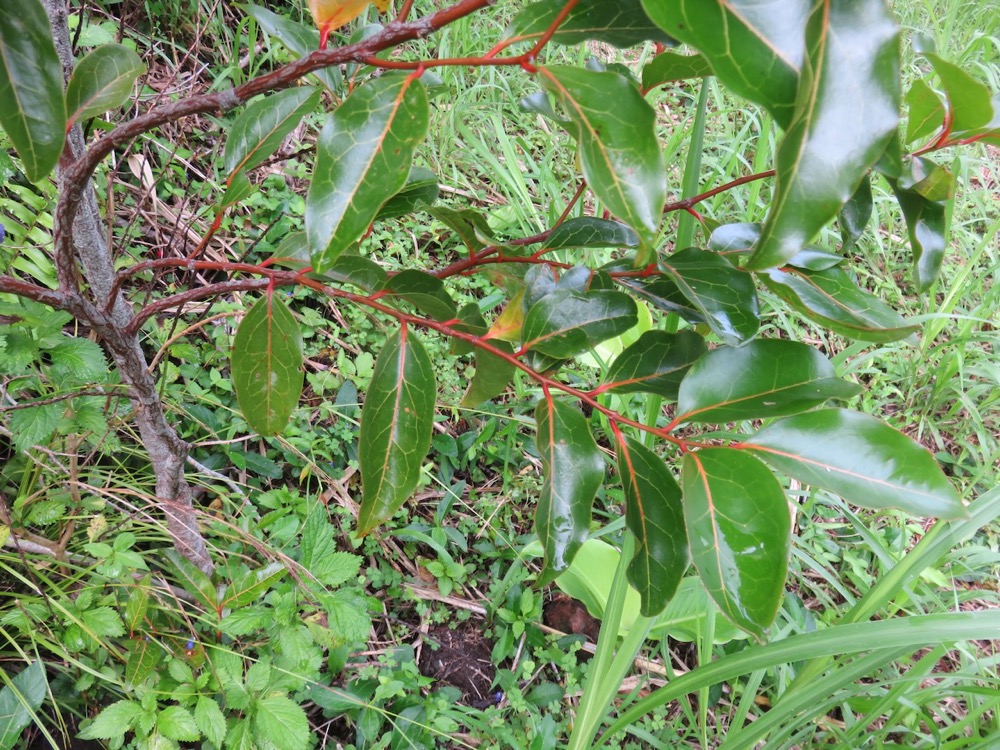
pixel 655 516
pixel 246 589
pixel 765 378
pixel 847 111
pixel 102 81
pixel 363 273
pixel 663 293
pixel 572 472
pixel 20 700
pixel 622 23
pixel 738 527
pixel 861 459
pixel 854 216
pixel 267 365
pixel 669 66
pixel 421 189
pixel 33 113
pixel 925 111
pixel 927 179
pixel 656 363
pixel 722 293
pixel 144 655
pixel 425 292
pixel 396 422
pixel 831 299
pixel 926 224
pixel 363 158
pixel 619 152
pixel 734 238
pixel 493 375
pixel 969 100
pixel 814 259
pixel 300 38
pixel 264 124
pixel 565 323
pixel 469 319
pixel 471 227
pixel 586 231
pixel 756 48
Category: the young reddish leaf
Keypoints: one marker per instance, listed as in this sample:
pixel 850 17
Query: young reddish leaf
pixel 33 113
pixel 101 81
pixel 267 365
pixel 724 295
pixel 861 459
pixel 572 472
pixel 847 110
pixel 831 299
pixel 755 48
pixel 566 323
pixel 363 158
pixel 262 127
pixel 655 516
pixel 738 527
pixel 655 363
pixel 765 378
pixel 622 23
pixel 396 422
pixel 620 155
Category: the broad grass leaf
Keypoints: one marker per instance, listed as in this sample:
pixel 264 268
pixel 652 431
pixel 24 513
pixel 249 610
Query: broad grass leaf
pixel 765 378
pixel 102 81
pixel 655 516
pixel 572 472
pixel 33 114
pixel 847 110
pixel 619 152
pixel 860 458
pixel 363 159
pixel 396 423
pixel 738 526
pixel 267 365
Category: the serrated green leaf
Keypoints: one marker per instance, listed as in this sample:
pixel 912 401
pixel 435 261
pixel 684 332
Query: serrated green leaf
pixel 79 361
pixel 320 555
pixel 267 365
pixel 281 721
pixel 425 292
pixel 619 152
pixel 765 378
pixel 655 516
pixel 572 472
pixel 586 231
pixel 738 527
pixel 210 720
pixel 861 459
pixel 363 158
pixel 20 700
pixel 31 87
pixel 396 423
pixel 113 721
pixel 622 23
pixel 421 189
pixel 102 622
pixel 669 66
pixel 102 81
pixel 724 295
pixel 263 125
pixel 756 49
pixel 253 586
pixel 34 425
pixel 244 621
pixel 300 38
pixel 566 323
pixel 925 111
pixel 831 299
pixel 177 723
pixel 655 363
pixel 847 111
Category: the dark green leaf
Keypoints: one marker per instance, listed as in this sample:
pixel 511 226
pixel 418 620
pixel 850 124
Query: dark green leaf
pixel 424 291
pixel 297 37
pixel 572 472
pixel 396 423
pixel 363 273
pixel 847 111
pixel 471 227
pixel 734 238
pixel 831 299
pixel 469 319
pixel 814 259
pixel 143 657
pixel 662 292
pixel 925 111
pixel 421 189
pixel 620 155
pixel 854 216
pixel 655 363
pixel 263 126
pixel 102 81
pixel 722 293
pixel 622 23
pixel 765 378
pixel 493 375
pixel 669 66
pixel 565 323
pixel 860 458
pixel 363 158
pixel 33 113
pixel 926 223
pixel 738 526
pixel 586 231
pixel 655 516
pixel 267 365
pixel 19 700
pixel 969 100
pixel 756 49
